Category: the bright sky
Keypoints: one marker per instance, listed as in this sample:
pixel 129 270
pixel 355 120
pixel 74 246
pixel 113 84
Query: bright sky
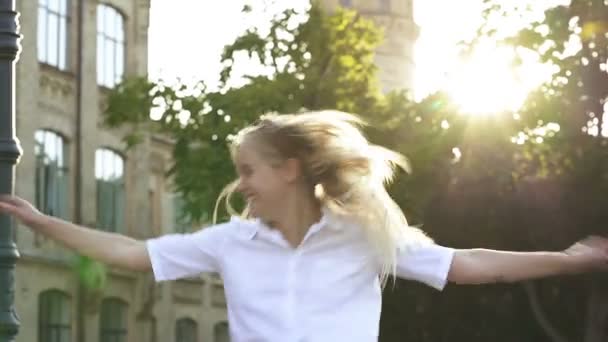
pixel 186 41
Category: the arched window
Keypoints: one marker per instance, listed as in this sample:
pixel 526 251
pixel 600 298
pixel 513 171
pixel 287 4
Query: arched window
pixel 186 330
pixel 109 173
pixel 114 319
pixel 54 317
pixel 220 332
pixel 53 31
pixel 51 173
pixel 110 46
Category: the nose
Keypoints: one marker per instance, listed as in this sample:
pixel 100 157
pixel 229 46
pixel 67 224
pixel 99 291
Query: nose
pixel 240 186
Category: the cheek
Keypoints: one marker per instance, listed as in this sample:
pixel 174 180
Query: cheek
pixel 270 187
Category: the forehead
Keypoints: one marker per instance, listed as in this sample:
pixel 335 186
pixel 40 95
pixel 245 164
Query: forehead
pixel 246 154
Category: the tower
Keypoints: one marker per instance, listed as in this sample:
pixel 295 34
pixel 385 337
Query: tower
pixel 395 55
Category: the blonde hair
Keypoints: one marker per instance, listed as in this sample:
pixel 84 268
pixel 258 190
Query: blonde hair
pixel 347 173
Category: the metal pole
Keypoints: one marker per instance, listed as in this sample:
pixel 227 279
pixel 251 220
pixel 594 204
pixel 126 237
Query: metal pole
pixel 10 151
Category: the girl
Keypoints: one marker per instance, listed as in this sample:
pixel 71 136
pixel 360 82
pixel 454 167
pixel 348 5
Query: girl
pixel 319 237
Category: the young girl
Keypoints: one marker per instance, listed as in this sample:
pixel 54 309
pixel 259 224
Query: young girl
pixel 319 237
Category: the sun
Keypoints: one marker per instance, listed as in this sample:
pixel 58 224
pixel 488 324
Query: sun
pixel 487 83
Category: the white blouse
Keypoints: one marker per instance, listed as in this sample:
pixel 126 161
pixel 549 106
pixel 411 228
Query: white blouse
pixel 326 289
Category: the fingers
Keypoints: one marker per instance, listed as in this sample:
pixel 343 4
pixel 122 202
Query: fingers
pixel 595 241
pixel 9 199
pixel 14 200
pixel 6 207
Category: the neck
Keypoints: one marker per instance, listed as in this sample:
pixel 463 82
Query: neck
pixel 296 217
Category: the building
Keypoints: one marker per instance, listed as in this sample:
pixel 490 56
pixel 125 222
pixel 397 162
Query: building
pixel 395 56
pixel 73 52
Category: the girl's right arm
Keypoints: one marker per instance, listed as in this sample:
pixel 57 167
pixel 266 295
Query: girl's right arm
pixel 109 248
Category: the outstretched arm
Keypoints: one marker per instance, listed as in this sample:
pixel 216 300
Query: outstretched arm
pixel 110 248
pixel 480 266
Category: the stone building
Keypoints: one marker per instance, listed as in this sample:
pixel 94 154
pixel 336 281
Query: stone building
pixel 395 56
pixel 73 52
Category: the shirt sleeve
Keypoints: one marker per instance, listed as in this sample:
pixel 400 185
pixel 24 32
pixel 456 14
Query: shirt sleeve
pixel 429 264
pixel 183 255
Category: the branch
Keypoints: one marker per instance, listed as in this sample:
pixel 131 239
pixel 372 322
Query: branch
pixel 330 61
pixel 539 314
pixel 597 310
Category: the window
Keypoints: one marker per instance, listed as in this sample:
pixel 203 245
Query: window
pixel 109 172
pixel 110 46
pixel 220 332
pixel 113 325
pixel 53 24
pixel 51 173
pixel 54 317
pixel 186 330
pixel 179 222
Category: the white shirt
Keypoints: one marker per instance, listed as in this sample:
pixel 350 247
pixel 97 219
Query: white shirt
pixel 326 289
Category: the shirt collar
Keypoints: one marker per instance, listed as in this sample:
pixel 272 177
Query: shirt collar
pixel 328 220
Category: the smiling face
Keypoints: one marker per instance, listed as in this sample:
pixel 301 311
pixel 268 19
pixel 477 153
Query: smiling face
pixel 263 182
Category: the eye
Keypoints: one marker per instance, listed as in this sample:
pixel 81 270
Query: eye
pixel 246 170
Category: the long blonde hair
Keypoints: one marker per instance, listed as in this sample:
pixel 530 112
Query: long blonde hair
pixel 347 173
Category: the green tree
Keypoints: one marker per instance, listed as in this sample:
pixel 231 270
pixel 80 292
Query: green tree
pixel 573 164
pixel 318 63
pixel 536 182
pixel 550 190
pixel 489 192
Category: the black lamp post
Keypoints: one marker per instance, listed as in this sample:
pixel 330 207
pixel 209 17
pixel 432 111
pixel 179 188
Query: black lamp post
pixel 10 151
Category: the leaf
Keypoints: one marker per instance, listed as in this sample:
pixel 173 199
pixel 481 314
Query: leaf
pixel 91 274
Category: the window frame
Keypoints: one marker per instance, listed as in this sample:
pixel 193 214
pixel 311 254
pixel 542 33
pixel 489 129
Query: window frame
pixel 48 329
pixel 110 40
pixel 56 170
pixel 186 323
pixel 221 328
pixel 114 185
pixel 63 20
pixel 110 334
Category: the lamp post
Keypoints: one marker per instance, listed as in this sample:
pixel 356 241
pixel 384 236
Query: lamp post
pixel 10 151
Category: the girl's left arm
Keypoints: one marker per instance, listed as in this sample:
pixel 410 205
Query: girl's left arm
pixel 480 266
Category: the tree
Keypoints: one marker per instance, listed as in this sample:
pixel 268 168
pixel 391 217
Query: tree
pixel 563 163
pixel 321 62
pixel 471 185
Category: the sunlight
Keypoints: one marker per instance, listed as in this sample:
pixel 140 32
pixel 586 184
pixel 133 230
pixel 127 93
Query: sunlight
pixel 487 83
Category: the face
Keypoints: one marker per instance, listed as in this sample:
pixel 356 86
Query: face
pixel 263 184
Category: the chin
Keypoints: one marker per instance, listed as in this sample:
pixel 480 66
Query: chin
pixel 254 211
pixel 259 214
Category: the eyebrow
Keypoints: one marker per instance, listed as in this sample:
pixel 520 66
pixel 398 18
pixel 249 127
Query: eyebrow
pixel 243 166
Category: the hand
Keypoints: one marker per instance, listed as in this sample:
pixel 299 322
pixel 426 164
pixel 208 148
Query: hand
pixel 21 209
pixel 590 254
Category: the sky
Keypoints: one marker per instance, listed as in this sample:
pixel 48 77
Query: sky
pixel 186 39
pixel 187 36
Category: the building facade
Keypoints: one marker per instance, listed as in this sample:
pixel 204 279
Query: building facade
pixel 395 56
pixel 72 167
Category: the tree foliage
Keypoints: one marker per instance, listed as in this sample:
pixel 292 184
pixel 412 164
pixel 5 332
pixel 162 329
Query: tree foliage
pixel 322 62
pixel 533 181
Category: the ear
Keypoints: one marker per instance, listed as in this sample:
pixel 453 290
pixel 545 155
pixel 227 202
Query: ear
pixel 291 170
